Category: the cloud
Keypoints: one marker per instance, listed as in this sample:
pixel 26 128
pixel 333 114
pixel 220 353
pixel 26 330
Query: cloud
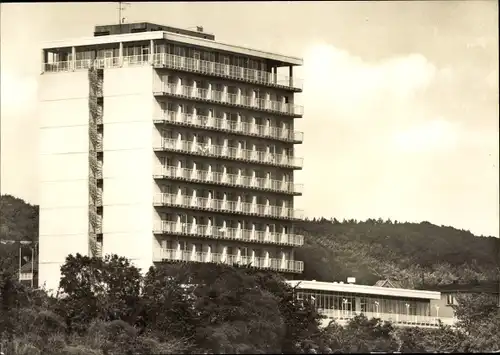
pixel 347 83
pixel 386 143
pixel 430 136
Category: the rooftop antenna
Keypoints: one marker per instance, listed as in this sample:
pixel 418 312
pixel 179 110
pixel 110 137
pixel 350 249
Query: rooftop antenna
pixel 121 7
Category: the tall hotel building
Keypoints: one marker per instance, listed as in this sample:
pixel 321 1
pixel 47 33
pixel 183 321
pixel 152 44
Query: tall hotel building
pixel 160 144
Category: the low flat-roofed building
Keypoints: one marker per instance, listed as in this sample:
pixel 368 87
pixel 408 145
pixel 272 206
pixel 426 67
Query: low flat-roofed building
pixel 342 301
pixel 450 294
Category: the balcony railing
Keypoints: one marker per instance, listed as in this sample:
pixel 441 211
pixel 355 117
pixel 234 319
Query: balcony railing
pixel 99 63
pixel 181 63
pixel 228 179
pixel 225 152
pixel 229 259
pixel 243 128
pixel 226 98
pixel 25 276
pixel 225 70
pixel 397 319
pixel 238 207
pixel 221 232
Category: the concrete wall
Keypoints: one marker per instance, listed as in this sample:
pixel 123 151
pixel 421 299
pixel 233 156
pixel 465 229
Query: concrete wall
pixel 128 164
pixel 63 171
pixel 441 307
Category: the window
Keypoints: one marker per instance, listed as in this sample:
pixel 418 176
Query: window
pixel 160 48
pixel 168 244
pixel 183 245
pixel 451 299
pixel 180 51
pixel 363 304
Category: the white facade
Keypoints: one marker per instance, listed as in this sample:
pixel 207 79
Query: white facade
pixel 133 192
pixel 127 165
pixel 64 155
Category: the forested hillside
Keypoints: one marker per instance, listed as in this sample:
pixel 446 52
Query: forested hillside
pixel 411 253
pixel 18 219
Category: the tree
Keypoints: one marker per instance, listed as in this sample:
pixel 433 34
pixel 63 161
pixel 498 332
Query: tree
pixel 479 318
pixel 473 310
pixel 167 308
pixel 444 339
pixel 94 288
pixel 233 314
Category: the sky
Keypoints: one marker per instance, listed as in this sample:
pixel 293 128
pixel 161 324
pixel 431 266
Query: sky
pixel 401 98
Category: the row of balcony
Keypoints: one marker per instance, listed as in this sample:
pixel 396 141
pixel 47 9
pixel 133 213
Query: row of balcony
pixel 394 318
pixel 210 177
pixel 220 124
pixel 183 63
pixel 223 97
pixel 226 71
pixel 225 206
pixel 281 265
pixel 225 152
pixel 226 233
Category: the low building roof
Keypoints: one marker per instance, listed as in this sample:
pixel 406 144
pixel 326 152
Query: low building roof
pixel 472 287
pixel 388 283
pixel 364 289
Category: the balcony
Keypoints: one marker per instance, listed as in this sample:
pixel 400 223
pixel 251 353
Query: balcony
pixel 225 206
pixel 222 232
pixel 164 60
pixel 216 178
pixel 241 128
pixel 230 153
pixel 227 99
pixel 280 265
pixel 98 63
pixel 396 319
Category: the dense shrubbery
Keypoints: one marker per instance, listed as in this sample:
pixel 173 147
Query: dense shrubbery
pixel 107 307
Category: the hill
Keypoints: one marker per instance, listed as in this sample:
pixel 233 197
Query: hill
pixel 18 219
pixel 412 253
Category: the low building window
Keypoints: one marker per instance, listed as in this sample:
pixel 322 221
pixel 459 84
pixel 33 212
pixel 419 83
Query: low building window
pixel 451 300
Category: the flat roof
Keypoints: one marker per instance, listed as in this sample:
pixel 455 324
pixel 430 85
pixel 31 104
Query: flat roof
pixel 363 289
pixel 174 37
pixel 137 27
pixel 492 287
